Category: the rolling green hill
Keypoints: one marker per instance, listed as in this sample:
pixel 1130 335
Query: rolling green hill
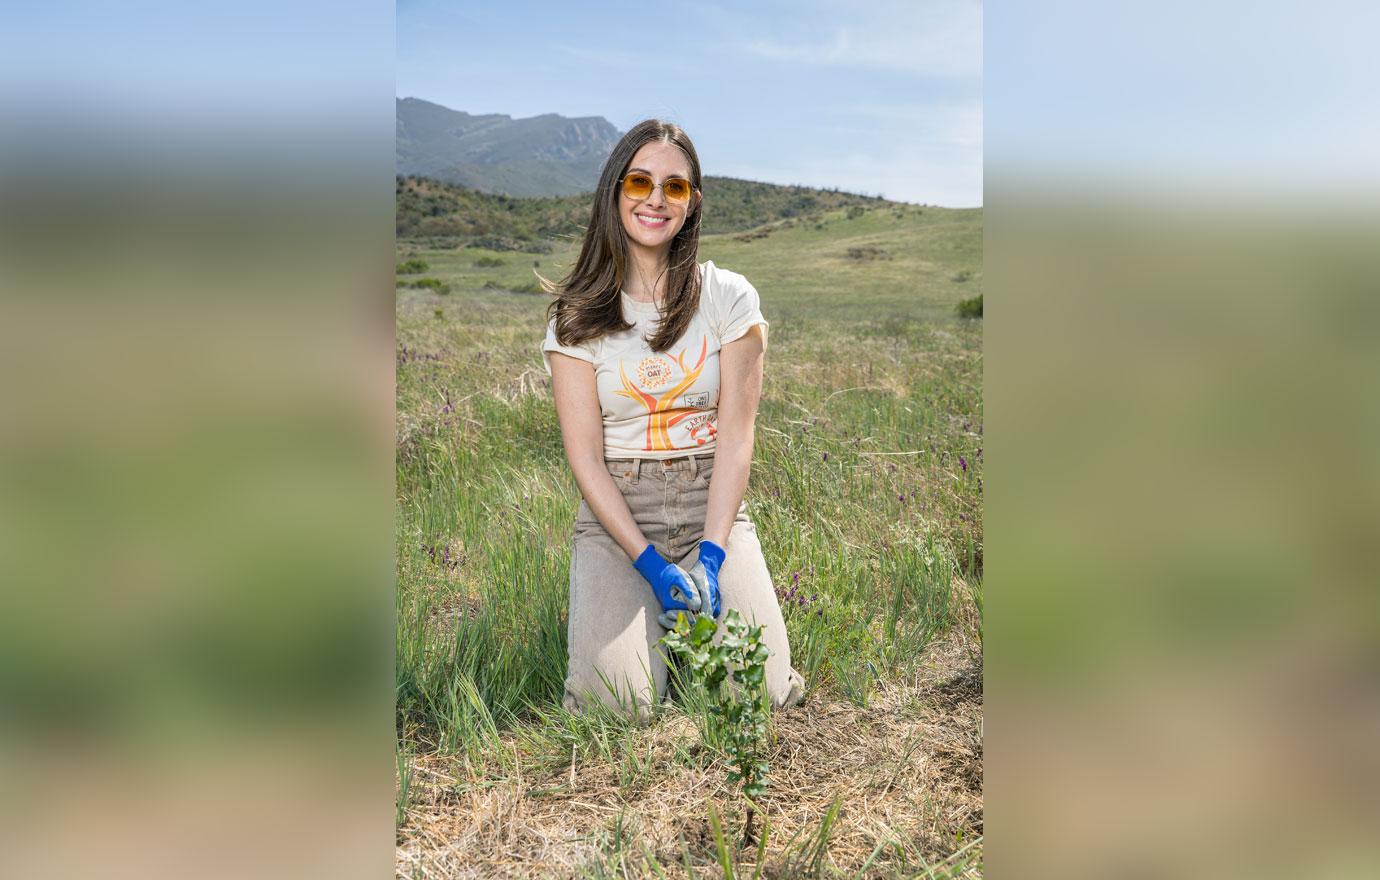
pixel 448 215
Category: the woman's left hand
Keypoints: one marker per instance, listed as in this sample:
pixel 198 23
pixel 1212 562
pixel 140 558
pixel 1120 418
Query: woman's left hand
pixel 705 574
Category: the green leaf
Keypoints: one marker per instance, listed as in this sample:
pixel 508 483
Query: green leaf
pixel 705 627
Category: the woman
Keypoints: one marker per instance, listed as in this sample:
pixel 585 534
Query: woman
pixel 656 369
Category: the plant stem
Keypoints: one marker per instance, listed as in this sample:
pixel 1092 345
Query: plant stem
pixel 748 839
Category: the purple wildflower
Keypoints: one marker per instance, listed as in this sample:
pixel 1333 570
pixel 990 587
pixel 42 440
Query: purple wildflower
pixel 901 498
pixel 826 456
pixel 795 578
pixel 963 463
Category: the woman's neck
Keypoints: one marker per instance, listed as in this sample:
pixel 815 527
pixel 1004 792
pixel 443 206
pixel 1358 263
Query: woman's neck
pixel 646 278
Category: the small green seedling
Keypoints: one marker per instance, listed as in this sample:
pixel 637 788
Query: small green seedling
pixel 739 719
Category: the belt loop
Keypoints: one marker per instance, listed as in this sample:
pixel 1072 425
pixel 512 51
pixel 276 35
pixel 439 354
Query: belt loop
pixel 636 469
pixel 694 466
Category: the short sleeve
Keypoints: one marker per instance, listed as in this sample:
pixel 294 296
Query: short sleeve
pixel 741 311
pixel 583 351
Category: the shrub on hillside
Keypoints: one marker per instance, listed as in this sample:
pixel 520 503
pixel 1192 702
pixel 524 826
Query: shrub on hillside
pixel 971 308
pixel 436 284
pixel 749 236
pixel 517 243
pixel 528 287
pixel 412 267
pixel 868 253
pixel 487 262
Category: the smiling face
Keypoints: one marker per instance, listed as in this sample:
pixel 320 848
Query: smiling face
pixel 652 222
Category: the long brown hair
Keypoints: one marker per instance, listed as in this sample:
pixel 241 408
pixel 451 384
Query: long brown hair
pixel 587 303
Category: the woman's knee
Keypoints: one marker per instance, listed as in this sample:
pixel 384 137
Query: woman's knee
pixel 636 706
pixel 635 683
pixel 788 693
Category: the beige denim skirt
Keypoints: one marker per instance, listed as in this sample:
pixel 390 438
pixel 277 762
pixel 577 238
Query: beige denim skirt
pixel 613 631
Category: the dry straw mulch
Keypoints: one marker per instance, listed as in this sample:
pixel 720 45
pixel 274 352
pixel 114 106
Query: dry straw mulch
pixel 907 769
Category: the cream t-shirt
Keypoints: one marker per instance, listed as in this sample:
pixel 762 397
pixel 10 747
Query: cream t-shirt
pixel 661 405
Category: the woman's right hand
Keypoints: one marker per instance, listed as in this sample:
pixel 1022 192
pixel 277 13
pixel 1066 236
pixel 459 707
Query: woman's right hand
pixel 672 586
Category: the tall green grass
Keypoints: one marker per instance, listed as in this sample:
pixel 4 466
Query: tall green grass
pixel 866 479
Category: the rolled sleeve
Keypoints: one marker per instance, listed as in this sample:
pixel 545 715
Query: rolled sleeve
pixel 742 312
pixel 583 351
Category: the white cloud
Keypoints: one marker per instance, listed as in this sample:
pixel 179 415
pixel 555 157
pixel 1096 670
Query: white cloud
pixel 941 39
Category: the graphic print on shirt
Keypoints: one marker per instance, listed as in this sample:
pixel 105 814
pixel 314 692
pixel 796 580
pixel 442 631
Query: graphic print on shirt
pixel 655 373
pixel 703 422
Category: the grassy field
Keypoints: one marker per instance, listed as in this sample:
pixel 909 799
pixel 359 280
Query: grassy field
pixel 866 489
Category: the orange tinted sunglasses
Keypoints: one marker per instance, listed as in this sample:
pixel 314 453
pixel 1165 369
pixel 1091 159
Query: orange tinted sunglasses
pixel 638 186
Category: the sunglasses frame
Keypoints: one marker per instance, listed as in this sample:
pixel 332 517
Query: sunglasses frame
pixel 624 188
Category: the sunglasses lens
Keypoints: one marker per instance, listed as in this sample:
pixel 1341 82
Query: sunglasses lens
pixel 640 186
pixel 637 186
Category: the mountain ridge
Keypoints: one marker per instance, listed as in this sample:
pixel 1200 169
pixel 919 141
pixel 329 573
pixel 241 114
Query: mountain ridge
pixel 544 155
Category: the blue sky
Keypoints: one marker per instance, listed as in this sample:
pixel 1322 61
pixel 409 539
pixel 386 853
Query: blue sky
pixel 871 97
pixel 874 97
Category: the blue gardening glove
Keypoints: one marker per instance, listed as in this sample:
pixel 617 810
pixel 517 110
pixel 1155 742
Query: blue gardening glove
pixel 672 586
pixel 705 574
